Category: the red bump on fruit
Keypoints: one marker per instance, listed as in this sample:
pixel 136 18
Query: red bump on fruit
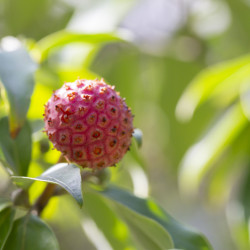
pixel 89 123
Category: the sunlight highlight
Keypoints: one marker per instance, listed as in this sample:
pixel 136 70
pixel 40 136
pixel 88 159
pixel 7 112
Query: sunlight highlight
pixel 140 181
pixel 95 235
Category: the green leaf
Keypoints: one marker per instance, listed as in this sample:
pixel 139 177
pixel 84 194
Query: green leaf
pixel 36 19
pixel 17 75
pixel 66 175
pixel 138 136
pixel 29 233
pixel 200 157
pixel 146 232
pixel 17 152
pixel 6 222
pixel 228 90
pixel 64 37
pixel 107 221
pixel 182 237
pixel 203 85
pixel 244 97
pixel 4 202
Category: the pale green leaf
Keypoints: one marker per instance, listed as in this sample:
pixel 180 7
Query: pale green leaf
pixel 64 37
pixel 201 88
pixel 199 159
pixel 17 76
pixel 66 175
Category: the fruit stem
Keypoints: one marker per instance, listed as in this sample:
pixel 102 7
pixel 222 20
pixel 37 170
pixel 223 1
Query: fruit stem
pixel 48 192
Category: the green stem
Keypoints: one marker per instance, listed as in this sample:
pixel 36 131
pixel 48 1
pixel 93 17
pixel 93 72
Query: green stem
pixel 48 192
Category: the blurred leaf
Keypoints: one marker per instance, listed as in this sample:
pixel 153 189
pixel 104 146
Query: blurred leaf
pixel 17 75
pixel 66 175
pixel 240 14
pixel 36 125
pixel 241 230
pixel 228 169
pixel 201 88
pixel 107 221
pixel 29 233
pixel 199 159
pixel 229 89
pixel 146 232
pixel 244 195
pixel 62 38
pixel 4 202
pixel 138 136
pixel 182 237
pixel 244 97
pixel 34 19
pixel 6 222
pixel 17 152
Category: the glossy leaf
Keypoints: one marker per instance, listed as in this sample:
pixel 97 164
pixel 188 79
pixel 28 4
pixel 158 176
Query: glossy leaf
pixel 63 174
pixel 17 75
pixel 61 38
pixel 6 221
pixel 17 152
pixel 182 237
pixel 204 84
pixel 201 156
pixel 30 232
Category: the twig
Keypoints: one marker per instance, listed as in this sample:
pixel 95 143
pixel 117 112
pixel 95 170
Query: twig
pixel 48 192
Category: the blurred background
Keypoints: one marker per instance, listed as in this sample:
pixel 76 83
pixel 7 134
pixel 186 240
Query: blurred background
pixel 174 56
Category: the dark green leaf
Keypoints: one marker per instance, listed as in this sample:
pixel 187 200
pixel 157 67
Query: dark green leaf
pixel 17 152
pixel 66 175
pixel 29 233
pixel 61 38
pixel 6 222
pixel 182 237
pixel 17 75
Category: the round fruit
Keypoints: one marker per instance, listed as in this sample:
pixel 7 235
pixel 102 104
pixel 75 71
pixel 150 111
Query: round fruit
pixel 89 123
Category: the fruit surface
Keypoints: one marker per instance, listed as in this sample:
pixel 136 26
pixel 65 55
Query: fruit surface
pixel 89 123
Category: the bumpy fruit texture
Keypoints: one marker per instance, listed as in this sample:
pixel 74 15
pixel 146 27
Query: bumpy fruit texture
pixel 89 123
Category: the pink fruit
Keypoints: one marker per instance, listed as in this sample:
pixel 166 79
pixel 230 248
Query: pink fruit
pixel 89 123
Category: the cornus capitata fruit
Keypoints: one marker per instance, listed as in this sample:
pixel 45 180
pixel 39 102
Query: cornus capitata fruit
pixel 89 123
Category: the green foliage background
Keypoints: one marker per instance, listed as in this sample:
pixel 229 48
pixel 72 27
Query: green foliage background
pixel 189 91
